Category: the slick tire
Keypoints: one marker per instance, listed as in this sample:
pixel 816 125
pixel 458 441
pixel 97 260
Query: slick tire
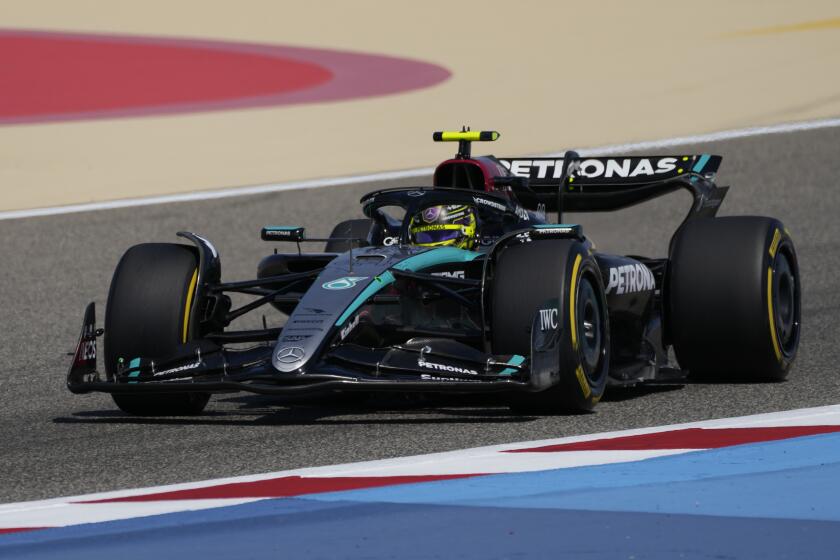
pixel 147 315
pixel 733 297
pixel 561 275
pixel 349 228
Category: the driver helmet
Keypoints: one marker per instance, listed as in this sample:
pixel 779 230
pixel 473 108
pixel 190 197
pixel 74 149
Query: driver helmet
pixel 452 225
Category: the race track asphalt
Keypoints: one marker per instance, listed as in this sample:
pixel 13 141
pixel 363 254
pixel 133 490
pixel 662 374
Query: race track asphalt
pixel 53 443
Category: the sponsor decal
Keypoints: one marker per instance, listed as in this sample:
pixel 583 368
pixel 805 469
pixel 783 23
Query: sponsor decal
pixel 450 274
pixel 299 321
pixel 630 278
pixel 343 283
pixel 524 237
pixel 484 202
pixel 444 367
pixel 389 241
pixel 548 319
pixel 428 377
pixel 554 231
pixel 88 350
pixel 606 168
pixel 415 193
pixel 543 168
pixel 269 233
pixel 436 227
pixel 313 311
pixel 295 337
pixel 431 214
pixel 187 367
pixel 289 354
pixel 522 213
pixel 348 328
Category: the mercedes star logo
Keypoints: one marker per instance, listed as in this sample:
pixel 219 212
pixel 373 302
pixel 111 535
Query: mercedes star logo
pixel 289 354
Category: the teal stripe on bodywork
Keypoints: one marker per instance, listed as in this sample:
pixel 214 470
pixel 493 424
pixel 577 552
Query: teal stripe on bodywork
pixel 516 360
pixel 135 365
pixel 376 284
pixel 541 226
pixel 432 257
pixel 701 163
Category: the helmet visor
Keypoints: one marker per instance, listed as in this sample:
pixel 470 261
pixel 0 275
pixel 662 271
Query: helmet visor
pixel 438 235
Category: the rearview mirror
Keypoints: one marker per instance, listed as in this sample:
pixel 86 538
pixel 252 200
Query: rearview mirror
pixel 282 233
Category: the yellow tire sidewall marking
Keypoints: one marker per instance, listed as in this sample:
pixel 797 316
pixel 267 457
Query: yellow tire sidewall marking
pixel 579 373
pixel 774 245
pixel 572 301
pixel 773 336
pixel 188 306
pixel 584 384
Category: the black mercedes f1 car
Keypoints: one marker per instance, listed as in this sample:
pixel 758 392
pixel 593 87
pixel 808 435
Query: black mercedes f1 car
pixel 464 286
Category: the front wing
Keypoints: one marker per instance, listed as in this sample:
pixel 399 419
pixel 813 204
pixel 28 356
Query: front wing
pixel 203 366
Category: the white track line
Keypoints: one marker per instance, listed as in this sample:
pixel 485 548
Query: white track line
pixel 490 459
pixel 406 174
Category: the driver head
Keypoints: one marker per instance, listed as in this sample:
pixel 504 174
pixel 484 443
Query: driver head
pixel 452 225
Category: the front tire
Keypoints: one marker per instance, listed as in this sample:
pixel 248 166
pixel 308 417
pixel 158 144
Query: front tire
pixel 734 299
pixel 147 315
pixel 560 274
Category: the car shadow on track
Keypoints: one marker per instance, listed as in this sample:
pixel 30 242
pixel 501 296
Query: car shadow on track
pixel 620 394
pixel 255 410
pixel 260 410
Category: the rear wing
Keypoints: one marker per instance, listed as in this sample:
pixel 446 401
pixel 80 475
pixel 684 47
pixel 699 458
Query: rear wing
pixel 592 184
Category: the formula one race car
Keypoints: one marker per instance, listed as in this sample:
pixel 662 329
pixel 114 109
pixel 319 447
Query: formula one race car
pixel 463 286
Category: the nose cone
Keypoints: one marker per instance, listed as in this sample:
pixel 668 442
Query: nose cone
pixel 338 288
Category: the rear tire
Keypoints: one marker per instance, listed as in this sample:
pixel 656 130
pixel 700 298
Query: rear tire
pixel 540 275
pixel 151 295
pixel 734 300
pixel 349 228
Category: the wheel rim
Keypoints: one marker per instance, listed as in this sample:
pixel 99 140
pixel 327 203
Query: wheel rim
pixel 785 303
pixel 590 321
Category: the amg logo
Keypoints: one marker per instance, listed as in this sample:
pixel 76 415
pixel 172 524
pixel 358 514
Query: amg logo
pixel 444 367
pixel 548 319
pixel 630 278
pixel 452 274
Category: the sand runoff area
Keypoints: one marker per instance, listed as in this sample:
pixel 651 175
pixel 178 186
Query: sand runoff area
pixel 547 75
